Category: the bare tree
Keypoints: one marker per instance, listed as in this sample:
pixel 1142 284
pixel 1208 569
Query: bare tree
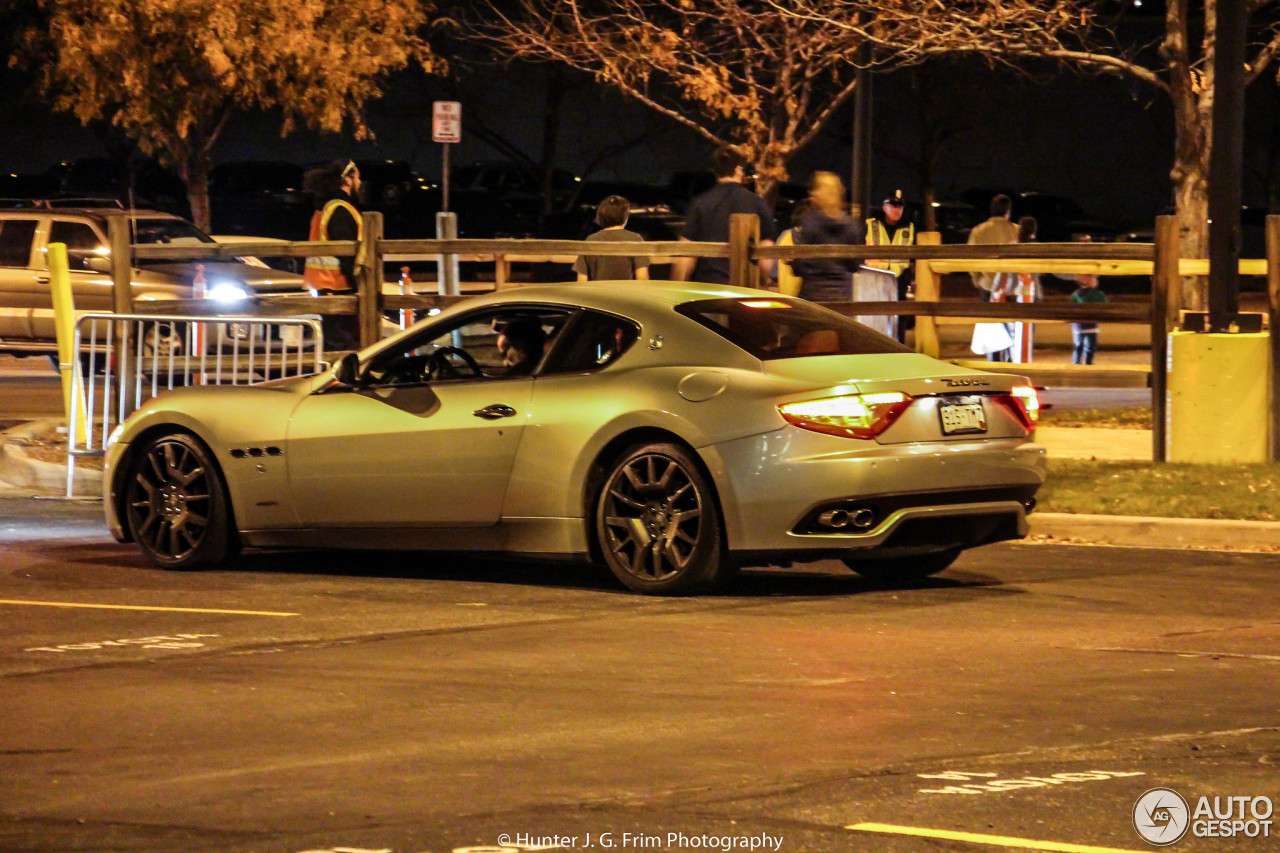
pixel 758 75
pixel 171 72
pixel 735 73
pixel 1182 67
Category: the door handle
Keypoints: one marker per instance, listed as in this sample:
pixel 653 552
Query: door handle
pixel 42 279
pixel 492 413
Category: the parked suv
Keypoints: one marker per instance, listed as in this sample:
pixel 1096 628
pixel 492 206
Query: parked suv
pixel 26 302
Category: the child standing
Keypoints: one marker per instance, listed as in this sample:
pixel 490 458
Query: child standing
pixel 1084 336
pixel 611 216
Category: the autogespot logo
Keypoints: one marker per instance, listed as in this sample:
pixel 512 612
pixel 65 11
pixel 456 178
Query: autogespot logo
pixel 1161 816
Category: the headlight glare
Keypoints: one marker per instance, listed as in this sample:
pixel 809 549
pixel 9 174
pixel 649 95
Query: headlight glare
pixel 225 290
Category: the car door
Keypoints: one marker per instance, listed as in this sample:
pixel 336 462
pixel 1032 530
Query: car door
pixel 17 276
pixel 90 289
pixel 424 440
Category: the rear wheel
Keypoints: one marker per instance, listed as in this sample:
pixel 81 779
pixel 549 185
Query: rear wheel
pixel 658 524
pixel 898 570
pixel 176 506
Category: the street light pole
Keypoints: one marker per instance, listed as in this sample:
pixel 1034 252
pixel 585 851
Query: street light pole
pixel 1225 164
pixel 860 178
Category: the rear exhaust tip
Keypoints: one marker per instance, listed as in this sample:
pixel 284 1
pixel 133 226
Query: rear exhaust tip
pixel 836 519
pixel 1029 504
pixel 863 518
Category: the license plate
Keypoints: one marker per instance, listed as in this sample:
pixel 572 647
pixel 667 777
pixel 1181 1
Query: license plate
pixel 961 418
pixel 292 335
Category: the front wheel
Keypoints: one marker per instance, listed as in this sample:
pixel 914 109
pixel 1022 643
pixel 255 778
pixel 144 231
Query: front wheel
pixel 658 524
pixel 903 570
pixel 176 506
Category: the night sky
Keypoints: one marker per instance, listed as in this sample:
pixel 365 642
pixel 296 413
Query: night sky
pixel 1104 141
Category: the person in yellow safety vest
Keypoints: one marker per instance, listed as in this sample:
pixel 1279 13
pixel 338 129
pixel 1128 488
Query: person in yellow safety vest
pixel 890 229
pixel 334 188
pixel 788 279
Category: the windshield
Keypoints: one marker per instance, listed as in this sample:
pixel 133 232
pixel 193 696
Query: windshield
pixel 168 231
pixel 772 327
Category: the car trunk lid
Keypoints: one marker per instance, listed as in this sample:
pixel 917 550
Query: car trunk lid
pixel 949 403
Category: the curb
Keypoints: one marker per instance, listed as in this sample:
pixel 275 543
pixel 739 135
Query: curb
pixel 1139 531
pixel 19 469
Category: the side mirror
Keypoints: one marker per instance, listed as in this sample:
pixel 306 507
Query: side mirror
pixel 348 370
pixel 98 264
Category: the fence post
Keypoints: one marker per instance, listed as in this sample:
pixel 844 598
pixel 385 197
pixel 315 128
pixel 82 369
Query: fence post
pixel 369 279
pixel 119 237
pixel 928 289
pixel 1164 282
pixel 744 234
pixel 1273 309
pixel 447 265
pixel 501 271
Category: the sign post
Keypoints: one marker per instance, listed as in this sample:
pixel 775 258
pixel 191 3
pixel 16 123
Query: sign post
pixel 446 128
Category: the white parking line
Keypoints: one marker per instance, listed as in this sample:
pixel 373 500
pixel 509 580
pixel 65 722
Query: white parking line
pixel 992 840
pixel 144 607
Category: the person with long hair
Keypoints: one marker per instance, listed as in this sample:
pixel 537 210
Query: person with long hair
pixel 827 222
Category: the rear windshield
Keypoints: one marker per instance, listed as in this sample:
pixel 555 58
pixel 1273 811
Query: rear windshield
pixel 772 327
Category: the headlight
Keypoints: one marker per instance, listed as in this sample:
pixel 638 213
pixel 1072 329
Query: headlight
pixel 850 416
pixel 225 290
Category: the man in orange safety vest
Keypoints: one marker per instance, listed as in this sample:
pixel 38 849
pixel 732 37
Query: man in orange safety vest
pixel 335 188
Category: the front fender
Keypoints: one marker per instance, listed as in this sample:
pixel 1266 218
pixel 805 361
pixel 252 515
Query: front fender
pixel 225 419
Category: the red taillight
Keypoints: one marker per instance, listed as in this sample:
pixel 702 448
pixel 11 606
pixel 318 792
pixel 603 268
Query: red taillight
pixel 1023 403
pixel 849 416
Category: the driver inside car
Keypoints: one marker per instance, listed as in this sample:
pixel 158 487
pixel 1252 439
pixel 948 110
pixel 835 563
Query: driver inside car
pixel 521 344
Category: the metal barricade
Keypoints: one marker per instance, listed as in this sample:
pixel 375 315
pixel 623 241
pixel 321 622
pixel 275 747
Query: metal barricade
pixel 163 352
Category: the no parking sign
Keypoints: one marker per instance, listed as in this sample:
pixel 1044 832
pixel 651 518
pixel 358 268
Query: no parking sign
pixel 446 121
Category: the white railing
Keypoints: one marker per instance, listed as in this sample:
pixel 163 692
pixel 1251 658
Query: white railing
pixel 163 352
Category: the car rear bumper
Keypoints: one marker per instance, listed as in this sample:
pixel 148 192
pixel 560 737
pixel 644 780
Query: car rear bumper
pixel 923 497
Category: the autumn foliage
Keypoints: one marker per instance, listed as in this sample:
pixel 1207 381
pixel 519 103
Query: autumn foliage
pixel 171 72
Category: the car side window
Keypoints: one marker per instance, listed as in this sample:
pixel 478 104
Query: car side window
pixel 81 240
pixel 16 236
pixel 592 342
pixel 488 345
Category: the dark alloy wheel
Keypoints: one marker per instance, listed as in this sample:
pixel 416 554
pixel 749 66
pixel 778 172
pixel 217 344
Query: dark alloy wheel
pixel 894 571
pixel 658 524
pixel 176 505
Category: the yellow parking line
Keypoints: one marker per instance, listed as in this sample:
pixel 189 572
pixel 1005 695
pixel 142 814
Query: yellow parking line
pixel 140 607
pixel 994 840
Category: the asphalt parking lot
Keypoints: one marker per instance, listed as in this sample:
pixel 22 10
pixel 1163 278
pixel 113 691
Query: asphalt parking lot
pixel 309 701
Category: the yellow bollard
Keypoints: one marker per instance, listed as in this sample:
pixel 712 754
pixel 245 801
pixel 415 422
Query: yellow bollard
pixel 64 321
pixel 1219 398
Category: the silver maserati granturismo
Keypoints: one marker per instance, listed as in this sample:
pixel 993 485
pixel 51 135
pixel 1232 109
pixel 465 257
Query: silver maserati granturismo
pixel 674 432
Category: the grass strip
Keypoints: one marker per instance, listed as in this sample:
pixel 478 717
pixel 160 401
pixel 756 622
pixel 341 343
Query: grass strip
pixel 1171 490
pixel 1125 417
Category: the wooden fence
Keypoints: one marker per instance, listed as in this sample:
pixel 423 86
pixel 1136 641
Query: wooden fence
pixel 1160 260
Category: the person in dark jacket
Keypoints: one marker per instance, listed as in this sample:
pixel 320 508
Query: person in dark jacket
pixel 707 219
pixel 827 223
